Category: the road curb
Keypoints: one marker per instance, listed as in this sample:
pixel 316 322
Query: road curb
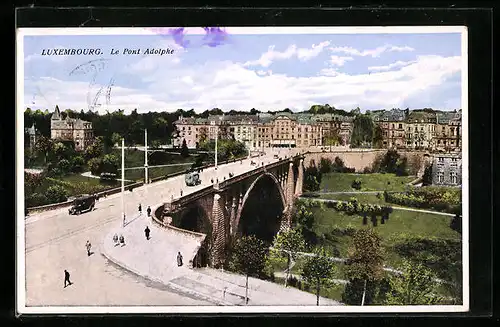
pixel 169 284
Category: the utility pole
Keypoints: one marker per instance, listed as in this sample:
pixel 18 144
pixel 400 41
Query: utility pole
pixel 146 179
pixel 123 180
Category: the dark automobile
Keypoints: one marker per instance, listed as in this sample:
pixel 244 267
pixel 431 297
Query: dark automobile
pixel 81 204
pixel 192 178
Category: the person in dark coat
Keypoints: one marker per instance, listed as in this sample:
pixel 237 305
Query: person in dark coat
pixel 140 209
pixel 146 232
pixel 66 278
pixel 179 259
pixel 148 210
pixel 89 247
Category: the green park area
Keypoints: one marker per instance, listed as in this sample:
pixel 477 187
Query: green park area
pixel 384 229
pixel 342 182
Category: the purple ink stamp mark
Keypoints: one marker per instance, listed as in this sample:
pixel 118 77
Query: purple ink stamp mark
pixel 214 36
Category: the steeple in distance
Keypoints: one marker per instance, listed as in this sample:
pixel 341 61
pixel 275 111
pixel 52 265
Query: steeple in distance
pixel 57 114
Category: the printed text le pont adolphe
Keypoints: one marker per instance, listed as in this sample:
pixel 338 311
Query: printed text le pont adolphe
pixel 98 52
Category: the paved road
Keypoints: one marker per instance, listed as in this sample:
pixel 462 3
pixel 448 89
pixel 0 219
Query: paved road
pixel 56 241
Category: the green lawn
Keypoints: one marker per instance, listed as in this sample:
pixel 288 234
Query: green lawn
pixel 135 158
pixel 330 227
pixel 341 182
pixel 138 174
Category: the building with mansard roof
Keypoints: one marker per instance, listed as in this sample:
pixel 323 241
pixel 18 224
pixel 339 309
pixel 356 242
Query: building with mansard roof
pixel 70 129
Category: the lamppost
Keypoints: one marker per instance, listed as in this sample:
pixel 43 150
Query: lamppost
pixel 146 179
pixel 123 181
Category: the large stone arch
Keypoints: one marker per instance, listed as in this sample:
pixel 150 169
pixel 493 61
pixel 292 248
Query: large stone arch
pixel 184 218
pixel 249 190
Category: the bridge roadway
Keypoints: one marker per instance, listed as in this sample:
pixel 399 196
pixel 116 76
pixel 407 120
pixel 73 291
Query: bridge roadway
pixel 55 241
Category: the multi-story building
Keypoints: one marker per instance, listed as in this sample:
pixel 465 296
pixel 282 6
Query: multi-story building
pixel 334 128
pixel 193 130
pixel 448 136
pixel 71 129
pixel 447 170
pixel 420 130
pixel 393 124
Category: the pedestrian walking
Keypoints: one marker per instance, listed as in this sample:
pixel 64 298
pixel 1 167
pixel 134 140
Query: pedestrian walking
pixel 88 246
pixel 124 220
pixel 148 210
pixel 115 239
pixel 179 259
pixel 66 278
pixel 122 240
pixel 146 232
pixel 181 192
pixel 140 209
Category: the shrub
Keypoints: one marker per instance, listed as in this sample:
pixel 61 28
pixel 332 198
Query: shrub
pixel 35 200
pixel 325 165
pixel 356 184
pixel 56 194
pixel 64 165
pixel 367 170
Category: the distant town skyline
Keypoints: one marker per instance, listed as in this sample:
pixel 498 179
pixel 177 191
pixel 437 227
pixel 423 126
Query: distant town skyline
pixel 265 72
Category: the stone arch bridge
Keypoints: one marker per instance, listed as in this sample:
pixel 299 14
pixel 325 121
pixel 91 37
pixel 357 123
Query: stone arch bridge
pixel 237 206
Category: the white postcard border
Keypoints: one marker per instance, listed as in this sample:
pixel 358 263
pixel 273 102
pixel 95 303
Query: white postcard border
pixel 21 307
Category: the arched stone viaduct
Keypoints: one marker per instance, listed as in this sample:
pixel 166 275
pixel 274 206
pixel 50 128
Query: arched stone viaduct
pixel 219 207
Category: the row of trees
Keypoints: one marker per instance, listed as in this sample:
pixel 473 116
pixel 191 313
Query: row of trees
pixel 368 282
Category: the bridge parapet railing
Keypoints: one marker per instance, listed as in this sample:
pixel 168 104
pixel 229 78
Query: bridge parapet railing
pixel 255 171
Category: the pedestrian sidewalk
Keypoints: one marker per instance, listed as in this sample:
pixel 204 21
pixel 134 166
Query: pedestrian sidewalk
pixel 155 259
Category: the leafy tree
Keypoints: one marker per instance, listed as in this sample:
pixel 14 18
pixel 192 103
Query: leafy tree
pixel 289 242
pixel 415 286
pixel 365 260
pixel 318 270
pixel 362 131
pixel 304 220
pixel 56 194
pixel 378 136
pixel 401 167
pixel 248 258
pixel 95 166
pixel 427 177
pixel 116 139
pixel 45 146
pixel 390 161
pixel 325 166
pixel 64 165
pixel 312 179
pixel 184 149
pixel 77 163
pixel 94 150
pixel 32 182
pixel 109 164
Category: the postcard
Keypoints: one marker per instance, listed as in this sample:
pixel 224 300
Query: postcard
pixel 242 170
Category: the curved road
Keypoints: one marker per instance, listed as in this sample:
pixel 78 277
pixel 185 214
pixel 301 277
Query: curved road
pixel 55 241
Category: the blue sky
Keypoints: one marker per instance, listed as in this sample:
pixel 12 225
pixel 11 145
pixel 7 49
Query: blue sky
pixel 268 72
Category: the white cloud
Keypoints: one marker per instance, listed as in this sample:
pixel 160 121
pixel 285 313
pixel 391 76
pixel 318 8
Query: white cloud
pixel 390 66
pixel 304 54
pixel 370 52
pixel 230 85
pixel 339 61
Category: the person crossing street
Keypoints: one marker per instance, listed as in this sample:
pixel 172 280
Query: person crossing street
pixel 66 278
pixel 89 247
pixel 149 211
pixel 140 209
